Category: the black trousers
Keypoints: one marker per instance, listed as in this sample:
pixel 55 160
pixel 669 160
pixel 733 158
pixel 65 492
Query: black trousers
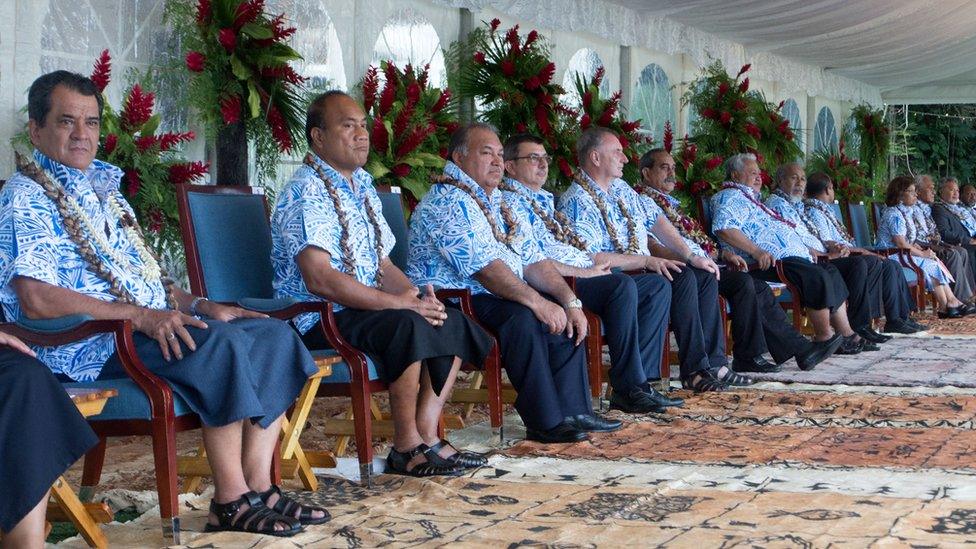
pixel 862 276
pixel 821 285
pixel 634 313
pixel 759 324
pixel 548 370
pixel 41 434
pixel 896 296
pixel 697 321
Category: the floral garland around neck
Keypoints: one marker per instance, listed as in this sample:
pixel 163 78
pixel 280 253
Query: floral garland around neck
pixel 633 246
pixel 930 232
pixel 768 211
pixel 811 227
pixel 557 223
pixel 688 228
pixel 825 210
pixel 348 256
pixel 507 238
pixel 77 223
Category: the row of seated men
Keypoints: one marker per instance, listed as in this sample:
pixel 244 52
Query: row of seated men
pixel 69 244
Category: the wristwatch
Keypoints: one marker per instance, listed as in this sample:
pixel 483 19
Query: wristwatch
pixel 574 304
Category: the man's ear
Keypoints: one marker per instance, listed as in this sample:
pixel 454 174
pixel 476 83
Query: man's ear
pixel 32 130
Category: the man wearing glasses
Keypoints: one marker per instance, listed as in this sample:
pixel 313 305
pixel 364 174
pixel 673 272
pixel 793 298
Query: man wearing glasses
pixel 634 310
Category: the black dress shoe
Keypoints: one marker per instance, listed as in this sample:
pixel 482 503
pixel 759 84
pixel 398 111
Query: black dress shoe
pixel 850 345
pixel 951 312
pixel 901 327
pixel 592 423
pixel 756 364
pixel 917 325
pixel 819 351
pixel 869 334
pixel 635 402
pixel 867 346
pixel 968 309
pixel 563 432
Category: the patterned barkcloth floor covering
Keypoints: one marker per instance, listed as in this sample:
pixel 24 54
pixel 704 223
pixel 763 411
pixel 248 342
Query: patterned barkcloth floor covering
pixel 777 466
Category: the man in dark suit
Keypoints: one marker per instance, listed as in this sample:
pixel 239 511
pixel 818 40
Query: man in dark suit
pixel 956 222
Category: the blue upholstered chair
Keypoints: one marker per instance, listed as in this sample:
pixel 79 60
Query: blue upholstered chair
pixel 145 405
pixel 227 237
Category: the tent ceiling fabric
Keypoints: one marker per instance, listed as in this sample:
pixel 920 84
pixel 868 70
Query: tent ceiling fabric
pixel 923 50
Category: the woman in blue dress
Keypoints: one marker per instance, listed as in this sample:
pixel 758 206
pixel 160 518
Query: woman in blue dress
pixel 896 229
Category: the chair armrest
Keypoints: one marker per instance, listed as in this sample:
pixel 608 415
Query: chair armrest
pixel 463 295
pixel 53 325
pixel 571 282
pixel 263 305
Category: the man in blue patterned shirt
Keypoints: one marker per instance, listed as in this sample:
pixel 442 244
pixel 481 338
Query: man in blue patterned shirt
pixel 617 227
pixel 759 324
pixel 70 245
pixel 331 242
pixel 864 275
pixel 464 235
pixel 897 297
pixel 742 221
pixel 633 310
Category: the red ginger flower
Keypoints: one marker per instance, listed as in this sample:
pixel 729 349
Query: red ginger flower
pixel 387 97
pixel 723 88
pixel 413 93
pixel 283 72
pixel 204 11
pixel 195 61
pixel 508 67
pixel 547 72
pixel 668 136
pixel 403 119
pixel 230 109
pixel 739 104
pixel 401 170
pixel 132 182
pixel 137 109
pixel 423 76
pixel 753 130
pixel 145 142
pixel 585 122
pixel 186 172
pixel 598 77
pixel 227 39
pixel 102 72
pixel 479 58
pixel 607 115
pixel 542 118
pixel 441 101
pixel 725 118
pixel 630 126
pixel 379 137
pixel 624 142
pixel 512 37
pixel 587 99
pixel 744 86
pixel 564 167
pixel 713 163
pixel 370 85
pixel 531 38
pixel 111 141
pixel 156 219
pixel 494 24
pixel 279 130
pixel 168 140
pixel 709 112
pixel 412 141
pixel 532 83
pixel 745 68
pixel 247 12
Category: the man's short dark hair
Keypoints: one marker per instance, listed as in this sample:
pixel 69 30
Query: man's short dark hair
pixel 590 140
pixel 459 139
pixel 817 184
pixel 513 143
pixel 39 96
pixel 647 160
pixel 315 116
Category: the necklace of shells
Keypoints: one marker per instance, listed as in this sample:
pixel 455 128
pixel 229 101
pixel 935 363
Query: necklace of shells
pixel 633 246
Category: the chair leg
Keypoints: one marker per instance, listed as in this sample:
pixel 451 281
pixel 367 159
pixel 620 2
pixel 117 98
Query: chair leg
pixel 164 458
pixel 92 473
pixel 363 419
pixel 666 360
pixel 493 375
pixel 477 379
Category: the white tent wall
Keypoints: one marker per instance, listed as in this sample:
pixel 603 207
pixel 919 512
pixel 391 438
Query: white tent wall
pixel 40 35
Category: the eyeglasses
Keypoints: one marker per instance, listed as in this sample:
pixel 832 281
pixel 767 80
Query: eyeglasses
pixel 535 158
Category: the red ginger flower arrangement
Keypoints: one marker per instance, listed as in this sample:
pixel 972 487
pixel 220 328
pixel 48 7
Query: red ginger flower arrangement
pixel 847 174
pixel 410 124
pixel 697 174
pixel 130 140
pixel 512 77
pixel 875 140
pixel 239 66
pixel 606 112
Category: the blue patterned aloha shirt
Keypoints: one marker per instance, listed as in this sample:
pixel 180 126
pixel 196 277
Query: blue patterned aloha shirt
pixel 451 239
pixel 584 214
pixel 898 221
pixel 306 216
pixel 649 206
pixel 821 215
pixel 731 209
pixel 521 202
pixel 34 244
pixel 794 212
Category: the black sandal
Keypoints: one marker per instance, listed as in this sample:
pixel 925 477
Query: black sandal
pixel 734 378
pixel 287 507
pixel 257 519
pixel 706 382
pixel 460 458
pixel 397 462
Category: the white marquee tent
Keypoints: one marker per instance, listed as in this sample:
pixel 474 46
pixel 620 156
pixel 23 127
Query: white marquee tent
pixel 820 56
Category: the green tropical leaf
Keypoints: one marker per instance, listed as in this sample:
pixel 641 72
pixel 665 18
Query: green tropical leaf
pixel 258 32
pixel 253 100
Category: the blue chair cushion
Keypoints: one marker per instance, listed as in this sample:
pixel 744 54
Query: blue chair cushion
pixel 53 325
pixel 340 370
pixel 266 305
pixel 131 402
pixel 785 297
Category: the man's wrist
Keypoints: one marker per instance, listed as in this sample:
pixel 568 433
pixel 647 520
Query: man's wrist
pixel 197 305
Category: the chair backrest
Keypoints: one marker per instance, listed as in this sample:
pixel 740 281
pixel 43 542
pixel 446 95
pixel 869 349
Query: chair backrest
pixel 876 208
pixel 705 213
pixel 837 211
pixel 227 237
pixel 393 213
pixel 860 230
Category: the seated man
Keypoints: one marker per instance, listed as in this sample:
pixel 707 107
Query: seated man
pixel 69 244
pixel 633 310
pixel 896 296
pixel 41 433
pixel 742 221
pixel 862 273
pixel 608 215
pixel 955 222
pixel 331 242
pixel 956 258
pixel 751 301
pixel 967 195
pixel 463 235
